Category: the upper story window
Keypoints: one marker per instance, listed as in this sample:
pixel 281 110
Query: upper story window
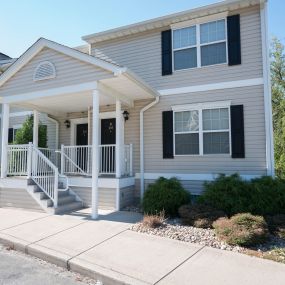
pixel 200 45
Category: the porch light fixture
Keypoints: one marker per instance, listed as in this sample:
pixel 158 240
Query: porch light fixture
pixel 126 115
pixel 67 124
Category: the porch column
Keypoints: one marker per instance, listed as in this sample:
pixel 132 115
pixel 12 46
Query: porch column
pixel 95 151
pixel 118 138
pixel 4 145
pixel 36 129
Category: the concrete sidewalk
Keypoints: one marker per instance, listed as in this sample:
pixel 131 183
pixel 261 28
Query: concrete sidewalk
pixel 108 251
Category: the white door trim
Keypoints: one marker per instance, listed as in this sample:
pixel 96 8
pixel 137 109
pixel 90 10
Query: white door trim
pixel 73 124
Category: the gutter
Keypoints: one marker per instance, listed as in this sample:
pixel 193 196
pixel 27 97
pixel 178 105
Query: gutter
pixel 142 144
pixel 267 89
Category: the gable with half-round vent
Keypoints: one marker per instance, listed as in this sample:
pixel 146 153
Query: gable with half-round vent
pixel 45 70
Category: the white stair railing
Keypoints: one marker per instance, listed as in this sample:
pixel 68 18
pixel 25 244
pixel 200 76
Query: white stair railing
pixel 18 159
pixel 45 174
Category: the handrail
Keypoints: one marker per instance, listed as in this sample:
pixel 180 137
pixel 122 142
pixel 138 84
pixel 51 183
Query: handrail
pixel 17 157
pixel 72 162
pixel 45 174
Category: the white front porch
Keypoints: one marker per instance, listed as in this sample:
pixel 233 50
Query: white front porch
pixel 56 80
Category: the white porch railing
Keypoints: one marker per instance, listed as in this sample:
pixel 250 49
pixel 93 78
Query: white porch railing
pixel 77 160
pixel 18 160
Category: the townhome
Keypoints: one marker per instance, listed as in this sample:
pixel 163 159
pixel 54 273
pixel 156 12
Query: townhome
pixel 185 95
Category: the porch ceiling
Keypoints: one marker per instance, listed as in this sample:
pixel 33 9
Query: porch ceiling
pixel 67 103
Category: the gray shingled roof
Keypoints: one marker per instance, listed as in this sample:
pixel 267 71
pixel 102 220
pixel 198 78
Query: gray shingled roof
pixel 4 56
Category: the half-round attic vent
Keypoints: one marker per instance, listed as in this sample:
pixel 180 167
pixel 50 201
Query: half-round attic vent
pixel 45 70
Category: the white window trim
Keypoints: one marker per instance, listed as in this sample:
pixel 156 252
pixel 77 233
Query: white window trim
pixel 198 44
pixel 200 107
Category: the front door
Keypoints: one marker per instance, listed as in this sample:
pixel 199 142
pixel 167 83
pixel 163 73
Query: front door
pixel 108 140
pixel 82 140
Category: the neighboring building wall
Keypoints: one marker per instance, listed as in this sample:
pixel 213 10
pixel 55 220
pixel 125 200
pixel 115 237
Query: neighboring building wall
pixel 141 53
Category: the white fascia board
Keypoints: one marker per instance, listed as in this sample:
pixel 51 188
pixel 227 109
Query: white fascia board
pixel 50 92
pixel 211 87
pixel 208 105
pixel 42 43
pixel 200 20
pixel 133 77
pixel 164 21
pixel 191 177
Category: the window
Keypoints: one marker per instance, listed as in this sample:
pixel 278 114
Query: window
pixel 184 46
pixel 213 43
pixel 187 132
pixel 200 45
pixel 202 130
pixel 216 131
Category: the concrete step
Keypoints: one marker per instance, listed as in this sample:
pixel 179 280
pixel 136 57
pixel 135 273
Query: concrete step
pixel 68 207
pixel 62 200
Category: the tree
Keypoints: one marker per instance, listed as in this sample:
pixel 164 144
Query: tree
pixel 25 134
pixel 278 104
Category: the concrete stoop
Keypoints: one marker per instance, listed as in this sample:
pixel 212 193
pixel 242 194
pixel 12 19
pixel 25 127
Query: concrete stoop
pixel 67 202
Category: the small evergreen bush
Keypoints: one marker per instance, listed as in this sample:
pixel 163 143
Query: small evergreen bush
pixel 262 196
pixel 165 195
pixel 242 229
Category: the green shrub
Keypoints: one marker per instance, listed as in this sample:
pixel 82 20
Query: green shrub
pixel 242 229
pixel 165 195
pixel 227 193
pixel 199 215
pixel 267 196
pixel 262 196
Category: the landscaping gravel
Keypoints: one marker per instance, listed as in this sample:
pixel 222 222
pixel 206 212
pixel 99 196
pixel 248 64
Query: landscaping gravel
pixel 274 249
pixel 174 230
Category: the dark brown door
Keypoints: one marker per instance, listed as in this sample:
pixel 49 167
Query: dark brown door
pixel 82 140
pixel 108 137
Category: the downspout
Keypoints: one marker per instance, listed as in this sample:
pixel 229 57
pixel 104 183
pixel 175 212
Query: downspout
pixel 56 130
pixel 142 144
pixel 267 89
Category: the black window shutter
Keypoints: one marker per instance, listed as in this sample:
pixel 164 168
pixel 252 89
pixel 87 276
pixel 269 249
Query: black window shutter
pixel 234 45
pixel 237 131
pixel 10 135
pixel 166 52
pixel 167 134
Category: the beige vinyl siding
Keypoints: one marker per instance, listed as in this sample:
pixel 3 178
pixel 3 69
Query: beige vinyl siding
pixel 254 162
pixel 69 71
pixel 142 54
pixel 107 196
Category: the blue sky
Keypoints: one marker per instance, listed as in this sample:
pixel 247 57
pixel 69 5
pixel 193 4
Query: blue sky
pixel 65 21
